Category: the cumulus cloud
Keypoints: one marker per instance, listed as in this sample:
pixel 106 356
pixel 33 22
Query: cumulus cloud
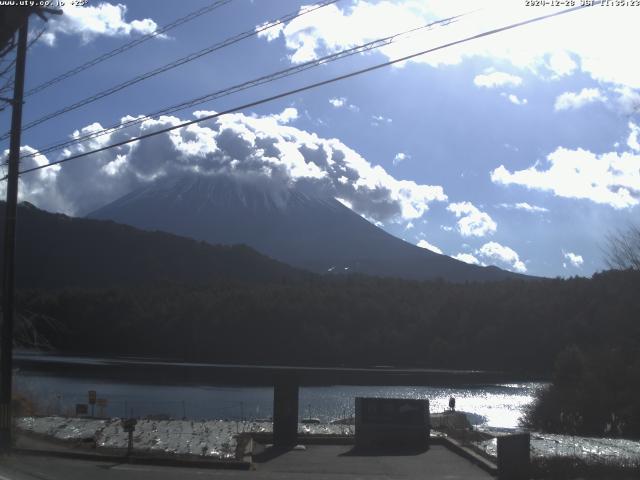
pixel 400 157
pixel 330 29
pixel 573 101
pixel 91 21
pixel 429 246
pixel 288 115
pixel 497 79
pixel 609 178
pixel 472 221
pixel 38 187
pixel 467 258
pixel 627 100
pixel 573 259
pixel 561 63
pixel 234 144
pixel 493 251
pixel 524 206
pixel 543 48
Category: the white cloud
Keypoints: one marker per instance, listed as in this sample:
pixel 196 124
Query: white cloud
pixel 400 157
pixel 573 101
pixel 561 63
pixel 632 140
pixel 331 29
pixel 287 116
pixel 472 222
pixel 574 259
pixel 497 79
pixel 91 21
pixel 515 99
pixel 524 206
pixel 467 258
pixel 552 48
pixel 377 120
pixel 627 100
pixel 346 203
pixel 339 102
pixel 428 246
pixel 235 144
pixel 610 178
pixel 270 31
pixel 38 187
pixel 503 255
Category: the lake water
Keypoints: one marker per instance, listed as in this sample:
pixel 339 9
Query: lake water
pixel 497 406
pixel 493 407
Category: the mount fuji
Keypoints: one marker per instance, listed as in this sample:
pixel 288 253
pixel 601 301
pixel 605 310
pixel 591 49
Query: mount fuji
pixel 311 231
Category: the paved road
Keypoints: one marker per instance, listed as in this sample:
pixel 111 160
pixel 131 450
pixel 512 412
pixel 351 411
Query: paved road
pixel 314 463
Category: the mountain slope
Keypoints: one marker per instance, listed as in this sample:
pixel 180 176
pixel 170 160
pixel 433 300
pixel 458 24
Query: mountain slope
pixel 308 231
pixel 55 250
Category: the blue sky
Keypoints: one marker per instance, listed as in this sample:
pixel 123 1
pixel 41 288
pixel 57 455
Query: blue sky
pixel 519 150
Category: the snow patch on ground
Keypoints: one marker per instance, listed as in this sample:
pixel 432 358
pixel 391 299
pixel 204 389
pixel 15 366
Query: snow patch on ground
pixel 212 438
pixel 586 448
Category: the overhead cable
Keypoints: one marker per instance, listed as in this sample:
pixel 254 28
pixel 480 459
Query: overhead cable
pixel 179 62
pixel 243 86
pixel 127 46
pixel 304 88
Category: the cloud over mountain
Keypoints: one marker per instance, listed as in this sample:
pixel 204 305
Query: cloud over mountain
pixel 467 258
pixel 573 258
pixel 236 144
pixel 425 244
pixel 495 252
pixel 471 220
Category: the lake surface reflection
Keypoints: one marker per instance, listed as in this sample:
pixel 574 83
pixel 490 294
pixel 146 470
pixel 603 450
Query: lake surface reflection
pixel 496 406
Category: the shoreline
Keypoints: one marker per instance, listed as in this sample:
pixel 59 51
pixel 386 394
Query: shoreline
pixel 197 374
pixel 221 439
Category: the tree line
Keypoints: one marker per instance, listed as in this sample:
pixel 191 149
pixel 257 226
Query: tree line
pixel 519 326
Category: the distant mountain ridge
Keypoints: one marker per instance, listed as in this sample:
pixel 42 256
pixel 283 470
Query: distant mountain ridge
pixel 314 232
pixel 56 251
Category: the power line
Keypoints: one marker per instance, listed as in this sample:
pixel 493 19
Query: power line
pixel 8 67
pixel 9 84
pixel 174 64
pixel 36 37
pixel 305 88
pixel 246 85
pixel 126 46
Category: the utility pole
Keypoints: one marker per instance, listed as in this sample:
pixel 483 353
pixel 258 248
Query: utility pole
pixel 8 274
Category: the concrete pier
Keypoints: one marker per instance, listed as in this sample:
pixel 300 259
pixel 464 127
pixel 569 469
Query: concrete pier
pixel 285 412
